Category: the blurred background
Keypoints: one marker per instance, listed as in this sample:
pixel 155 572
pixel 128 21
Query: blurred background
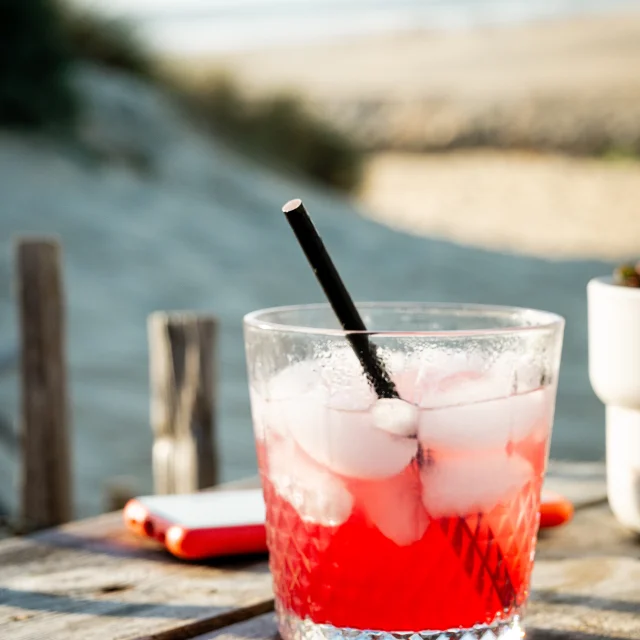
pixel 469 150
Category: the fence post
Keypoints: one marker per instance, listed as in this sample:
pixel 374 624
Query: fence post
pixel 182 374
pixel 46 464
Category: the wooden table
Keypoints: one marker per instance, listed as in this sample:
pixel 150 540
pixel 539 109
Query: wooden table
pixel 92 580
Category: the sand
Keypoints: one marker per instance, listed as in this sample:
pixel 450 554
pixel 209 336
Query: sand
pixel 539 204
pixel 570 86
pixel 499 63
pixel 565 85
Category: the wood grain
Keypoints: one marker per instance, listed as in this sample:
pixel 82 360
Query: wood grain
pixel 182 369
pixel 46 464
pixel 598 595
pixel 593 532
pixel 93 580
pixel 263 627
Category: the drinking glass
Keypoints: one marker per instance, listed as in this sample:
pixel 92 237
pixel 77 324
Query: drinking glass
pixel 390 518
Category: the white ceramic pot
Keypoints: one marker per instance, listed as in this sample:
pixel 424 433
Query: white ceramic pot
pixel 614 371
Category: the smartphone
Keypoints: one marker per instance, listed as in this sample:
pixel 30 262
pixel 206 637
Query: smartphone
pixel 202 525
pixel 219 523
pixel 555 510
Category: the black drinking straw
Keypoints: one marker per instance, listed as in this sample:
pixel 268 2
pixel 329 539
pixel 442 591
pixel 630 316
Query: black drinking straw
pixel 379 378
pixel 339 298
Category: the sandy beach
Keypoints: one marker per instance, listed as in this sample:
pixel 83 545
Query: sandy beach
pixel 568 85
pixel 552 91
pixel 564 56
pixel 540 204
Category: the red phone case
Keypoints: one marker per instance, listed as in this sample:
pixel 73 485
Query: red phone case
pixel 205 543
pixel 555 510
pixel 195 544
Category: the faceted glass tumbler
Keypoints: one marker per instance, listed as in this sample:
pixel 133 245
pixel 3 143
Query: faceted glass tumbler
pixel 407 516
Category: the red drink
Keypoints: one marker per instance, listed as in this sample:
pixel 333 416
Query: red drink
pixel 460 573
pixel 392 563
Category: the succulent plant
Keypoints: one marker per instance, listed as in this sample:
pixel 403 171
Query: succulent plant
pixel 627 275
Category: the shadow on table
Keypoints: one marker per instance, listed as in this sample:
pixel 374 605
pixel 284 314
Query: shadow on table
pixel 122 544
pixel 38 601
pixel 591 602
pixel 553 634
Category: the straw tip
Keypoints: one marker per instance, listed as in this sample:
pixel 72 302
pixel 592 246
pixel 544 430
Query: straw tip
pixel 292 205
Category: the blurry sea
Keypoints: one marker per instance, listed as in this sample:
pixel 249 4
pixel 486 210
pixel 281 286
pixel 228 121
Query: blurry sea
pixel 205 26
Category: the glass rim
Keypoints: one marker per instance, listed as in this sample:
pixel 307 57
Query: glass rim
pixel 541 320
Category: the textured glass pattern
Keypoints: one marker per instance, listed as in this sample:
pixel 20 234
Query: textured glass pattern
pixel 482 560
pixel 293 628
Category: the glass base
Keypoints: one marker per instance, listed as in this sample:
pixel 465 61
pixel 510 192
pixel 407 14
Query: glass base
pixel 294 628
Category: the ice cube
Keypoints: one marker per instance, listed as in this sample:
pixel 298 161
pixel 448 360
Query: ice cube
pixel 462 485
pixel 396 416
pixel 483 425
pixel 315 493
pixel 326 413
pixel 444 379
pixel 394 506
pixel 465 387
pixel 348 443
pixel 532 414
pixel 529 376
pixel 417 382
pixel 289 393
pixel 284 417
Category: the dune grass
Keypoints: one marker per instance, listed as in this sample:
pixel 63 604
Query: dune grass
pixel 41 40
pixel 282 130
pixel 35 91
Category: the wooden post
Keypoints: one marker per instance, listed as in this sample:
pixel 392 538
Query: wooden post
pixel 181 347
pixel 46 464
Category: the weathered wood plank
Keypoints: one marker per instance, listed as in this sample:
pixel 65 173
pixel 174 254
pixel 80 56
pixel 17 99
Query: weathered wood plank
pixel 263 627
pixel 46 464
pixel 597 595
pixel 593 532
pixel 533 633
pixel 182 368
pixel 586 580
pixel 93 580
